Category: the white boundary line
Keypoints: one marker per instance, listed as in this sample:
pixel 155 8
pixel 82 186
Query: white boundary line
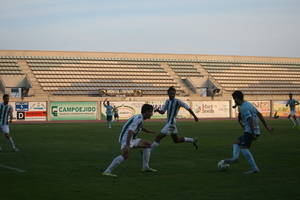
pixel 13 168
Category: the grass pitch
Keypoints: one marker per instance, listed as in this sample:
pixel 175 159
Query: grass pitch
pixel 64 161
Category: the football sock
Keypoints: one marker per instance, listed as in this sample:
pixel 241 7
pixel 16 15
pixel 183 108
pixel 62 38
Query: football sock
pixel 235 151
pixel 249 158
pixel 146 158
pixel 12 143
pixel 293 121
pixel 186 139
pixel 116 161
pixel 154 145
pixel 109 124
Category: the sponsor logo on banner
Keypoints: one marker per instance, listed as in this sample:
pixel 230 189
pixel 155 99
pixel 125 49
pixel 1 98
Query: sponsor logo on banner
pixel 22 106
pixel 264 107
pixel 126 109
pixel 73 110
pixel 211 109
pixel 30 111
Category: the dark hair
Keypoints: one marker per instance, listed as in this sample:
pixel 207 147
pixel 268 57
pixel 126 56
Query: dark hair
pixel 172 88
pixel 146 107
pixel 291 94
pixel 238 94
pixel 5 95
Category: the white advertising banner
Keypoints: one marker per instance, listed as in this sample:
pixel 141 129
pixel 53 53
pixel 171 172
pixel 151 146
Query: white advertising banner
pixel 211 109
pixel 264 107
pixel 29 111
pixel 126 109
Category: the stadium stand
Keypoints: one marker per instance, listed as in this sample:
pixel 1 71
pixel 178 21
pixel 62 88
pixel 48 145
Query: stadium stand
pixel 129 74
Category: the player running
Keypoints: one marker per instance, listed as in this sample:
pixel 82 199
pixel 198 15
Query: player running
pixel 129 140
pixel 109 112
pixel 172 106
pixel 6 117
pixel 248 119
pixel 292 103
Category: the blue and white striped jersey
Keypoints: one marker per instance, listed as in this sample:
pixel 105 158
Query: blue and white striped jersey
pixel 172 107
pixel 292 103
pixel 135 124
pixel 5 111
pixel 248 110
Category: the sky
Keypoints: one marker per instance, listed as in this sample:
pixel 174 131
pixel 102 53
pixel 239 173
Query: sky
pixel 210 27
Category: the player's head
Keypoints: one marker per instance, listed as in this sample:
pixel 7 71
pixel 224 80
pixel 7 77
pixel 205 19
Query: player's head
pixel 107 102
pixel 147 111
pixel 5 98
pixel 171 92
pixel 290 95
pixel 238 97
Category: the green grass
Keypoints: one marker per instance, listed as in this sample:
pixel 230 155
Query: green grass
pixel 63 161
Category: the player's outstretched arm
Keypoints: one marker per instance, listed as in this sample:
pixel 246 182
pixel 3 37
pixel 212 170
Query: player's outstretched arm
pixel 193 114
pixel 262 119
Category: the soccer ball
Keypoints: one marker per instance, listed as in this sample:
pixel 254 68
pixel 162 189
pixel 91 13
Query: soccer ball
pixel 222 166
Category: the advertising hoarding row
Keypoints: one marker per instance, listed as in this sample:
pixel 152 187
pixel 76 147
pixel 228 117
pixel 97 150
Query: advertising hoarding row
pixel 37 111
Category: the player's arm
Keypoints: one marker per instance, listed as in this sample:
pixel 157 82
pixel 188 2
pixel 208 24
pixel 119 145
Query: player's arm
pixel 240 120
pixel 148 131
pixel 161 110
pixel 262 119
pixel 193 114
pixel 10 115
pixel 296 103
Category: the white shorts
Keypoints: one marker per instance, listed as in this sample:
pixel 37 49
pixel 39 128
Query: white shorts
pixel 133 143
pixel 4 129
pixel 292 113
pixel 169 129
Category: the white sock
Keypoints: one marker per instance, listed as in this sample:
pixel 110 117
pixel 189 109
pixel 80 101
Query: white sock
pixel 293 121
pixel 249 158
pixel 154 145
pixel 12 143
pixel 146 158
pixel 116 161
pixel 235 151
pixel 191 140
pixel 109 124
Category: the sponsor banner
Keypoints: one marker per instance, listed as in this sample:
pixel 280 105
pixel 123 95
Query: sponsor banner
pixel 30 111
pixel 283 110
pixel 211 109
pixel 126 109
pixel 264 107
pixel 182 113
pixel 73 110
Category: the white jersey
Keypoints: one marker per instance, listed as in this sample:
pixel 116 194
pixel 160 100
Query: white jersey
pixel 248 110
pixel 5 111
pixel 135 124
pixel 172 107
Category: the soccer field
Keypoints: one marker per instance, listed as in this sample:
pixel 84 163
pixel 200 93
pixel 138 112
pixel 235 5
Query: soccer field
pixel 64 161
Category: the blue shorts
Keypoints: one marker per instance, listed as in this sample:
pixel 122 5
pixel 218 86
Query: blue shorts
pixel 246 139
pixel 109 117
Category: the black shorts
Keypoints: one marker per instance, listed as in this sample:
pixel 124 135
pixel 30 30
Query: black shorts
pixel 116 115
pixel 247 139
pixel 108 117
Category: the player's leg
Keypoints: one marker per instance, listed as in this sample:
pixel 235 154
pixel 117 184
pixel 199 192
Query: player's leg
pixel 296 120
pixel 245 145
pixel 109 119
pixel 235 153
pixel 117 161
pixel 157 140
pixel 291 118
pixel 179 139
pixel 146 154
pixel 5 130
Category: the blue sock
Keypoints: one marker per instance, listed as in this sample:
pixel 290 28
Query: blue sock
pixel 249 158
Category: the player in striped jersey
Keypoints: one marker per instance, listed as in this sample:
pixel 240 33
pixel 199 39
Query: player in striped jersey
pixel 292 116
pixel 172 107
pixel 6 117
pixel 129 139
